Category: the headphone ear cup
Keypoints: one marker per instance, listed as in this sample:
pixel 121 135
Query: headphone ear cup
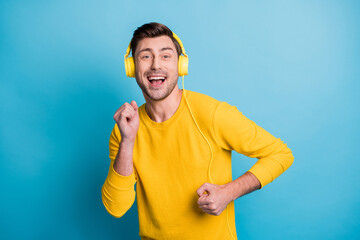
pixel 183 65
pixel 130 67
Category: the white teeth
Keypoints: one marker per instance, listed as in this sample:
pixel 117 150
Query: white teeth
pixel 156 78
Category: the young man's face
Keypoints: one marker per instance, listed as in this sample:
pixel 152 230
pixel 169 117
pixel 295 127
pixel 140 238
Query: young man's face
pixel 156 67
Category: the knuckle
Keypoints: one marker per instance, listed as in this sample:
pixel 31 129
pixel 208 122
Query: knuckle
pixel 122 114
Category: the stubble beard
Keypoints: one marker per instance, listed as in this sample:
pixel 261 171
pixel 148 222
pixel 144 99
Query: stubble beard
pixel 159 93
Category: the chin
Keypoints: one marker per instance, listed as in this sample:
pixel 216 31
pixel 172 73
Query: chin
pixel 157 97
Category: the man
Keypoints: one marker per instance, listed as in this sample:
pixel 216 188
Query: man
pixel 177 147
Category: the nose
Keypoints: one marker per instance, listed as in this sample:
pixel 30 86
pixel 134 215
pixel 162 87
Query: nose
pixel 155 63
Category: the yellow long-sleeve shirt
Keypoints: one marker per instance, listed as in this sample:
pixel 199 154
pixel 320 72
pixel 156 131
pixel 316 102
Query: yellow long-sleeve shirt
pixel 171 162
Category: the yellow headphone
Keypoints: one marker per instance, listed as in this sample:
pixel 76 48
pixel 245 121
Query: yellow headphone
pixel 182 65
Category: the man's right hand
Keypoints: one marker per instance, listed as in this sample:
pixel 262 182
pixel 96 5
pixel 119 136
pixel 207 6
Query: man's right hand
pixel 127 119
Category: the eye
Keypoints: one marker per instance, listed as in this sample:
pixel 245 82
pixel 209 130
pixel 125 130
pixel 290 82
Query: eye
pixel 146 56
pixel 166 56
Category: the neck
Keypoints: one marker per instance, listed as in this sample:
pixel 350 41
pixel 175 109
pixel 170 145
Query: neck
pixel 162 110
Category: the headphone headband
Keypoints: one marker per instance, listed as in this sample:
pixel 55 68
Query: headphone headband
pixel 180 43
pixel 128 51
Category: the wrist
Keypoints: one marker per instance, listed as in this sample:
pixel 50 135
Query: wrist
pixel 123 163
pixel 127 142
pixel 231 190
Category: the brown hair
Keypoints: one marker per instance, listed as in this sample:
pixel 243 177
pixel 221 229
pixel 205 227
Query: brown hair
pixel 151 30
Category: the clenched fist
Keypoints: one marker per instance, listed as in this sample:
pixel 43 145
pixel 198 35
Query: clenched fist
pixel 127 119
pixel 213 198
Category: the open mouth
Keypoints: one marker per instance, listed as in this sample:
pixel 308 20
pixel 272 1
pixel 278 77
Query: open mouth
pixel 156 80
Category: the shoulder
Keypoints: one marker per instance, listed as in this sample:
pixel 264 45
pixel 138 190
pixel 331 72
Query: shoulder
pixel 202 105
pixel 206 106
pixel 206 103
pixel 115 135
pixel 201 100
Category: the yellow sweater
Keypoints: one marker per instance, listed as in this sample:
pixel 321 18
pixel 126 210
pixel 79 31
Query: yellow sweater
pixel 171 162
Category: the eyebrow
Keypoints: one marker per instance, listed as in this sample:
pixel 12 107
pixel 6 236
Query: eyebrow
pixel 150 49
pixel 166 48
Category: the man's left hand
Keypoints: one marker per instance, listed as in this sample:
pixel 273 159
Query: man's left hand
pixel 213 198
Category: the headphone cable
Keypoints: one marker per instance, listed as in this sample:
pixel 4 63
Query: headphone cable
pixel 212 154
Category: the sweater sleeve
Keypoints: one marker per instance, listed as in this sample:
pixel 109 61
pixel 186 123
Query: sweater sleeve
pixel 118 192
pixel 236 132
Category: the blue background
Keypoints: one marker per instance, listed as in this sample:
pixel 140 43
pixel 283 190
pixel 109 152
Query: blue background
pixel 291 66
